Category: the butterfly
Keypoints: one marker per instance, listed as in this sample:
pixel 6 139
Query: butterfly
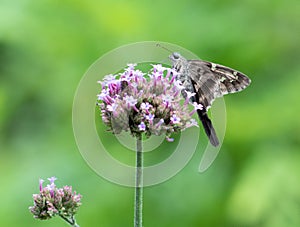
pixel 208 81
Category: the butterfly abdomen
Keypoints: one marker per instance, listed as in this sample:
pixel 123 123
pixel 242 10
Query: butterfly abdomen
pixel 208 128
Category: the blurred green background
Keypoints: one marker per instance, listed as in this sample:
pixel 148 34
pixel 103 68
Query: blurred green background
pixel 46 47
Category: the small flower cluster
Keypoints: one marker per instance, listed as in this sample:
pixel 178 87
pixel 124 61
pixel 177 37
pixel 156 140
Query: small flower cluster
pixel 52 201
pixel 149 103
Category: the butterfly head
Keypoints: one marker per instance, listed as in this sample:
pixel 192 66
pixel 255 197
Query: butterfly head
pixel 174 57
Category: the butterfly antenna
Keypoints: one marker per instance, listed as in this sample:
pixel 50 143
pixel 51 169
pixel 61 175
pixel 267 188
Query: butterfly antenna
pixel 158 45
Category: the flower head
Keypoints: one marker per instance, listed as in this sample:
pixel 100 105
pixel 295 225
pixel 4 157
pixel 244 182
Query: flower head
pixel 52 201
pixel 145 103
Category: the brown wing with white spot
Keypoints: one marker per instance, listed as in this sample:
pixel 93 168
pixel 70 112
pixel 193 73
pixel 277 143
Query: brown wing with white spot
pixel 211 80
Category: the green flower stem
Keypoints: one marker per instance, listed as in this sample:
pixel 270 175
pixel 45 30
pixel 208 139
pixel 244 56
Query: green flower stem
pixel 138 203
pixel 71 220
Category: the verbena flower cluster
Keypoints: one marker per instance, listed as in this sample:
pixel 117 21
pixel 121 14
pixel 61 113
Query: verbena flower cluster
pixel 52 201
pixel 149 103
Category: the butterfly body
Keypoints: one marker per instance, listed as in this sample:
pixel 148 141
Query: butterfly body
pixel 209 81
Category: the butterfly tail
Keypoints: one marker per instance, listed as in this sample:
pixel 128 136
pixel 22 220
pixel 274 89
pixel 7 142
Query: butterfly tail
pixel 208 128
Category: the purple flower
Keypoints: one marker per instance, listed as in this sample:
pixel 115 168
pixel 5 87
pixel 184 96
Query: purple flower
pixel 131 66
pixel 191 123
pixel 150 117
pixel 171 71
pixel 167 99
pixel 145 103
pixel 138 73
pixel 53 201
pixel 156 75
pixel 112 107
pixel 52 179
pixel 142 126
pixel 51 188
pixel 103 94
pixel 188 96
pixel 158 68
pixel 109 78
pixel 161 121
pixel 114 87
pixel 146 106
pixel 174 119
pixel 196 107
pixel 169 139
pixel 41 181
pixel 126 76
pixel 178 85
pixel 130 101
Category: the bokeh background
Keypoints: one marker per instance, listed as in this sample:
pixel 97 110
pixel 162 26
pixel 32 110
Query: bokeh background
pixel 46 47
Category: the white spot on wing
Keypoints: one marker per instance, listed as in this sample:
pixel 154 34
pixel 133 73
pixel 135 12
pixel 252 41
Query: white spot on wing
pixel 213 66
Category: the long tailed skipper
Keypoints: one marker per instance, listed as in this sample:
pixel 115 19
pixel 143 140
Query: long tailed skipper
pixel 209 81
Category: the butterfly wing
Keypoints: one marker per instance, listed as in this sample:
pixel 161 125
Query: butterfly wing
pixel 212 80
pixel 209 81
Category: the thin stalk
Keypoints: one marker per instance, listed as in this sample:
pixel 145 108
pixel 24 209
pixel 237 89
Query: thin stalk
pixel 138 202
pixel 70 221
